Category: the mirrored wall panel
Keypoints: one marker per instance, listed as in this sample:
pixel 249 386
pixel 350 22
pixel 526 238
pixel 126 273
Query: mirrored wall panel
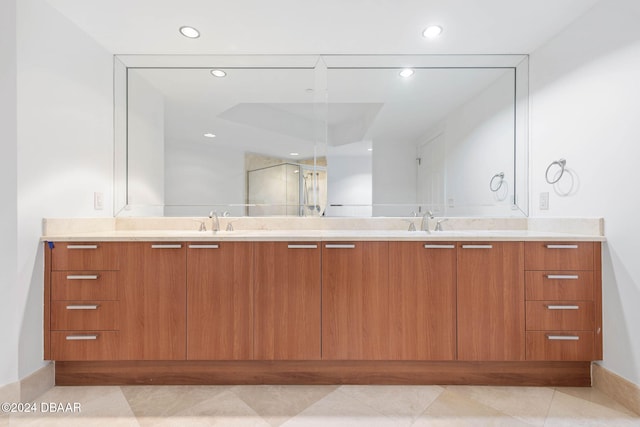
pixel 322 136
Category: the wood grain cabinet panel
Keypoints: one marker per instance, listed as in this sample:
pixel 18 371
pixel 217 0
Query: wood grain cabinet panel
pixel 220 301
pixel 86 255
pixel 491 312
pixel 422 301
pixel 84 285
pixel 85 345
pixel 560 345
pixel 560 315
pixel 559 255
pixel 560 285
pixel 355 301
pixel 287 301
pixel 153 302
pixel 85 315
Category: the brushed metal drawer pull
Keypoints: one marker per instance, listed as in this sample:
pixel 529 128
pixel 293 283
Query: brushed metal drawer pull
pixel 563 307
pixel 81 337
pixel 166 246
pixel 563 276
pixel 562 246
pixel 302 246
pixel 563 337
pixel 477 246
pixel 82 277
pixel 82 246
pixel 439 246
pixel 334 246
pixel 204 246
pixel 83 307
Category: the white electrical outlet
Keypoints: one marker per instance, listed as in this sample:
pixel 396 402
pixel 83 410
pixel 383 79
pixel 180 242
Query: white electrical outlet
pixel 544 201
pixel 451 202
pixel 98 201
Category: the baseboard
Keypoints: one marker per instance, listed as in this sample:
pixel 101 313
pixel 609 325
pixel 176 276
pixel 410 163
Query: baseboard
pixel 622 390
pixel 29 388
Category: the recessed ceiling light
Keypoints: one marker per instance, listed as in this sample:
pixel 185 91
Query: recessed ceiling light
pixel 406 73
pixel 369 149
pixel 209 135
pixel 190 32
pixel 432 32
pixel 218 73
pixel 294 154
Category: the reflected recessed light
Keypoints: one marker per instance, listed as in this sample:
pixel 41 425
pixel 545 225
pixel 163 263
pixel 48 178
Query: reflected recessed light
pixel 190 32
pixel 407 72
pixel 209 135
pixel 294 154
pixel 218 73
pixel 369 149
pixel 432 31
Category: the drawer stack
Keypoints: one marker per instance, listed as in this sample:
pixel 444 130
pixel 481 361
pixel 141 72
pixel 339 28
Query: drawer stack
pixel 563 306
pixel 85 306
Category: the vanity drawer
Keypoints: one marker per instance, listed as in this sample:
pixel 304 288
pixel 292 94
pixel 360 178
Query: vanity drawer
pixel 560 346
pixel 560 315
pixel 559 285
pixel 85 345
pixel 85 256
pixel 83 315
pixel 84 285
pixel 558 255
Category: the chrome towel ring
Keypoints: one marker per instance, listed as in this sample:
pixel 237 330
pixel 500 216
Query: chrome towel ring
pixel 493 186
pixel 560 163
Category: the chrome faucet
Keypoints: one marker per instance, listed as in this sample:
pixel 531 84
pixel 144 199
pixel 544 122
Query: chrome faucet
pixel 424 224
pixel 215 221
pixel 439 224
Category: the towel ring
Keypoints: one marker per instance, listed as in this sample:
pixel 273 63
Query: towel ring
pixel 493 187
pixel 562 164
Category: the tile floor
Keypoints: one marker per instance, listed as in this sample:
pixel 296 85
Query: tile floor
pixel 293 406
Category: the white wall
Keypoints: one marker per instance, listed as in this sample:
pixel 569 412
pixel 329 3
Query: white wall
pixel 64 154
pixel 585 107
pixel 8 194
pixel 146 157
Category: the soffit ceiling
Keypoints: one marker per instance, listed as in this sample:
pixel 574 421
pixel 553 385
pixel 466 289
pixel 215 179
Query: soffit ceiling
pixel 322 26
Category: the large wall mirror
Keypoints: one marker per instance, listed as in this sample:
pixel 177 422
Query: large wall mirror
pixel 328 135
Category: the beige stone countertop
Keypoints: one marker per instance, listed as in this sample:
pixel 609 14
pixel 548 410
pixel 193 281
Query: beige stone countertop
pixel 318 235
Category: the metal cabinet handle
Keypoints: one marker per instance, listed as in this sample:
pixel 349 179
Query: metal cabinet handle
pixel 81 337
pixel 563 276
pixel 563 337
pixel 82 277
pixel 477 246
pixel 83 307
pixel 82 246
pixel 166 246
pixel 439 246
pixel 204 246
pixel 334 246
pixel 302 246
pixel 563 307
pixel 562 246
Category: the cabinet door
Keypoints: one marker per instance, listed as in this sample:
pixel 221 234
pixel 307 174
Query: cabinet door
pixel 422 300
pixel 355 301
pixel 220 301
pixel 153 302
pixel 491 312
pixel 287 301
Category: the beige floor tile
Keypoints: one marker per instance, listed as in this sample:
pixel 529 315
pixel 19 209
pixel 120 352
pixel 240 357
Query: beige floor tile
pixel 452 410
pixel 568 410
pixel 595 396
pixel 4 420
pixel 395 401
pixel 528 404
pixel 225 410
pixel 339 409
pixel 98 406
pixel 278 403
pixel 159 401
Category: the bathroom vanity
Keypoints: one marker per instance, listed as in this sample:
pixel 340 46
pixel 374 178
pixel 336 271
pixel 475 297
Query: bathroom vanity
pixel 516 307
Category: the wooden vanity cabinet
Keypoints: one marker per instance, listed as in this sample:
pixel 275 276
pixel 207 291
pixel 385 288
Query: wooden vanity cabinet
pixel 153 322
pixel 422 300
pixel 287 294
pixel 563 300
pixel 491 311
pixel 220 301
pixel 355 301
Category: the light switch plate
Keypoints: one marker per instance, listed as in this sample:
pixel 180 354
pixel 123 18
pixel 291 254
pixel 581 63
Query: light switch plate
pixel 544 201
pixel 98 201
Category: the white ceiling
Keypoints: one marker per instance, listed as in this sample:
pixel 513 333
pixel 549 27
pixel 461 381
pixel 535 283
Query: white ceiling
pixel 322 26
